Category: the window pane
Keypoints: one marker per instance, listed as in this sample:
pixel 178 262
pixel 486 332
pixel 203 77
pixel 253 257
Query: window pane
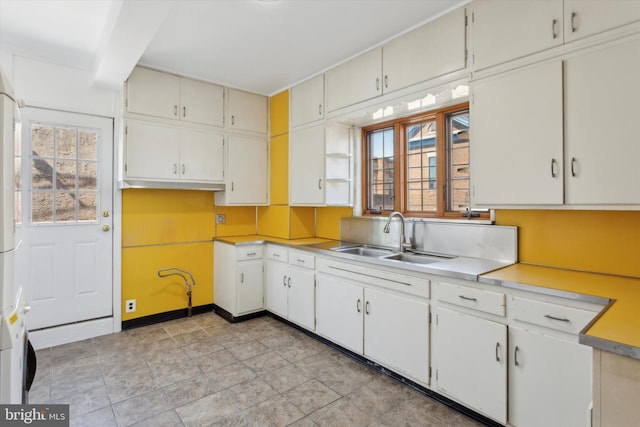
pixel 380 150
pixel 66 175
pixel 42 174
pixel 458 164
pixel 421 166
pixel 87 175
pixel 65 143
pixel 42 207
pixel 42 140
pixel 87 145
pixel 87 206
pixel 65 207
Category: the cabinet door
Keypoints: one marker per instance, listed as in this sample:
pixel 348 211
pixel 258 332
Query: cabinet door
pixel 153 93
pixel 152 151
pixel 504 30
pixel 247 111
pixel 250 289
pixel 306 166
pixel 201 156
pixel 549 373
pixel 585 18
pixel 517 132
pixel 248 179
pixel 202 103
pixel 307 101
pixel 471 361
pixel 302 297
pixel 601 146
pixel 355 81
pixel 275 299
pixel 409 59
pixel 393 323
pixel 340 308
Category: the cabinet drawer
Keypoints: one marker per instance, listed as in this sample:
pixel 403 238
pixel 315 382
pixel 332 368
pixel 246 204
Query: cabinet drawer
pixel 249 252
pixel 476 299
pixel 277 253
pixel 554 316
pixel 302 259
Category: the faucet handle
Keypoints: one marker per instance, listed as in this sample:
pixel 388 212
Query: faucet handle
pixel 409 244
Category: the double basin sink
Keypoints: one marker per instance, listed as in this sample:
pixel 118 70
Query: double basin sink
pixel 390 254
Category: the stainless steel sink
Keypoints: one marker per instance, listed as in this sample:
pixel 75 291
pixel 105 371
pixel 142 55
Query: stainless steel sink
pixel 414 258
pixel 364 251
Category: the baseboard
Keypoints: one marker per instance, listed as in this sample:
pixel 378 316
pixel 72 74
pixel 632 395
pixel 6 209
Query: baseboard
pixel 58 335
pixel 166 316
pixel 234 319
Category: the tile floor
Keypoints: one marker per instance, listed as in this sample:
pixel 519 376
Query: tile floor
pixel 204 371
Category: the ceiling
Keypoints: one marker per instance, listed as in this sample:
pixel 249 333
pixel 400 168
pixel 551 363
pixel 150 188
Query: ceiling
pixel 261 46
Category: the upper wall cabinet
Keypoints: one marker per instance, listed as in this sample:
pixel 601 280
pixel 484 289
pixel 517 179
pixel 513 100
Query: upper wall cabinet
pixel 505 30
pixel 167 96
pixel 247 111
pixel 435 49
pixel 585 18
pixel 307 101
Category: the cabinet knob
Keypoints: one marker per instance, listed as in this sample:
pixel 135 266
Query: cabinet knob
pixel 106 228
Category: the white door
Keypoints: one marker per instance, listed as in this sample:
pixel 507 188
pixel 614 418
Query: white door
pixel 65 262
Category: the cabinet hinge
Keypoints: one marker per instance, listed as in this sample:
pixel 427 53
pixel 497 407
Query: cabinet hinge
pixel 429 317
pixel 436 375
pixel 126 103
pixel 429 371
pixel 126 130
pixel 436 319
pixel 466 20
pixel 473 17
pixel 125 167
pixel 466 54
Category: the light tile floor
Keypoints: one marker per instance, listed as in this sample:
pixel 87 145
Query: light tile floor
pixel 204 371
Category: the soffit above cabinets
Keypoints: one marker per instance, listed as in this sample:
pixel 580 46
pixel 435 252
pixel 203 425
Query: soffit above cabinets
pixel 258 46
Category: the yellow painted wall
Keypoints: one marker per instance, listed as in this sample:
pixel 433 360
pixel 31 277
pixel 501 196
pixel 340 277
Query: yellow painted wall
pixel 279 113
pixel 240 221
pixel 279 167
pixel 597 241
pixel 274 221
pixel 302 222
pixel 165 228
pixel 328 221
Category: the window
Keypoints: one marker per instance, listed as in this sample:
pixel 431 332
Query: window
pixel 418 165
pixel 64 169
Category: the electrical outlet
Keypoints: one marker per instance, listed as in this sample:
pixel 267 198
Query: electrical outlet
pixel 130 306
pixel 220 219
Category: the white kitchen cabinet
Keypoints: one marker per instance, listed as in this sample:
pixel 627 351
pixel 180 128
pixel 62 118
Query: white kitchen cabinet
pixel 320 166
pixel 276 275
pixel 355 81
pixel 238 279
pixel 247 180
pixel 600 145
pixel 290 285
pixel 471 361
pixel 247 111
pixel 432 50
pixel 393 323
pixel 504 30
pixel 167 96
pixel 517 133
pixel 307 101
pixel 586 18
pixel 550 373
pixel 168 153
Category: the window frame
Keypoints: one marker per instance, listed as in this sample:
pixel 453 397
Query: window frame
pixel 399 126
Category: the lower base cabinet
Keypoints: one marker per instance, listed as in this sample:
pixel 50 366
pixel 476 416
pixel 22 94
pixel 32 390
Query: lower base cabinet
pixel 549 380
pixel 389 329
pixel 471 361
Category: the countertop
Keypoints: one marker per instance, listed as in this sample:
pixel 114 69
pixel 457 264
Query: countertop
pixel 616 330
pixel 259 239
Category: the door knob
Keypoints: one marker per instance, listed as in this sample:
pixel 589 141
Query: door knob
pixel 106 228
pixel 106 214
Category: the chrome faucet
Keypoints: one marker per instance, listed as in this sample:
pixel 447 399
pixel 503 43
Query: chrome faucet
pixel 404 245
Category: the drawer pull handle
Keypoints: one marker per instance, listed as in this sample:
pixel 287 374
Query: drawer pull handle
pixel 358 306
pixel 559 319
pixel 301 261
pixel 289 281
pixel 467 298
pixel 497 349
pixel 515 356
pixel 554 24
pixel 241 277
pixel 284 281
pixel 366 308
pixel 276 255
pixel 251 254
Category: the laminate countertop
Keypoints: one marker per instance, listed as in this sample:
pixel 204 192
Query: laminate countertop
pixel 617 327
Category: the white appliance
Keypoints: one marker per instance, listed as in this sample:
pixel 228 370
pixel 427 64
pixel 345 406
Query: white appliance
pixel 16 371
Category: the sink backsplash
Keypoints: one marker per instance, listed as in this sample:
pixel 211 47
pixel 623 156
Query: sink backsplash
pixel 449 238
